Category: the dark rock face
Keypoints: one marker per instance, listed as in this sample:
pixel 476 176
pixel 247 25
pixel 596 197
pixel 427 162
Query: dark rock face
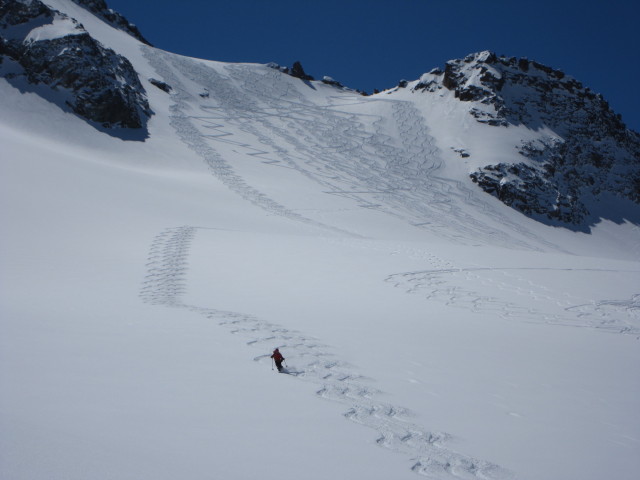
pixel 588 151
pixel 162 85
pixel 99 8
pixel 566 177
pixel 295 71
pixel 523 187
pixel 14 13
pixel 298 72
pixel 92 81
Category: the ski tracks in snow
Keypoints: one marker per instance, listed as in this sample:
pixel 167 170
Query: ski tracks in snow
pixel 317 364
pixel 458 287
pixel 350 154
pixel 377 152
pixel 199 143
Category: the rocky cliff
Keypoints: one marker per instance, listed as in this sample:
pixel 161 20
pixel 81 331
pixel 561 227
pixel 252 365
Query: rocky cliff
pixel 41 46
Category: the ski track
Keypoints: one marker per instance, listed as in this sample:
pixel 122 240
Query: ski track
pixel 346 152
pixel 352 155
pixel 368 166
pixel 197 142
pixel 314 362
pixel 456 287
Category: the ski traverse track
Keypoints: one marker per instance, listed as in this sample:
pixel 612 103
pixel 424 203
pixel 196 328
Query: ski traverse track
pixel 448 286
pixel 344 146
pixel 317 363
pixel 378 153
pixel 194 139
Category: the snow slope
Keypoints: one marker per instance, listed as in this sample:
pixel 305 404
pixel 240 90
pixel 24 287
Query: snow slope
pixel 429 329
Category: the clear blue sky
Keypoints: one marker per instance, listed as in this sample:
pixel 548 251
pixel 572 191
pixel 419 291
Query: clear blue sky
pixel 367 44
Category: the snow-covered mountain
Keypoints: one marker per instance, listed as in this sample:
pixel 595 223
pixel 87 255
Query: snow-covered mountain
pixel 452 263
pixel 584 154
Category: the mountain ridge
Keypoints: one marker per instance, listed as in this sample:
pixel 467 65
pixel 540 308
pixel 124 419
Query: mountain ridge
pixel 580 152
pixel 590 152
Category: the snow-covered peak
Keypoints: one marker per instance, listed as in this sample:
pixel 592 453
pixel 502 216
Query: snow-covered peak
pixel 565 148
pixel 577 148
pixel 510 90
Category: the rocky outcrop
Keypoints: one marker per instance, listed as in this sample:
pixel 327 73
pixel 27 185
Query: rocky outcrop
pixel 165 87
pixel 588 151
pixel 330 81
pixel 99 9
pixel 295 71
pixel 298 72
pixel 523 187
pixel 41 46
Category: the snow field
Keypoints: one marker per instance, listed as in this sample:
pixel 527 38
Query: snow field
pixel 144 285
pixel 309 360
pixel 495 397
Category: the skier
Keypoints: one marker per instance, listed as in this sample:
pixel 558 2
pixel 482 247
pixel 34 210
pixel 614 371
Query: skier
pixel 278 358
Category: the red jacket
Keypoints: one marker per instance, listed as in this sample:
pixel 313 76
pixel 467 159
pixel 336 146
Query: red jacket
pixel 277 356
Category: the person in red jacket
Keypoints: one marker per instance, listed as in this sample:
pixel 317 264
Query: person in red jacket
pixel 278 358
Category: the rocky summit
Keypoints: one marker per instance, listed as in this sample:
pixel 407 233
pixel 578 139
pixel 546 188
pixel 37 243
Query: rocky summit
pixel 585 154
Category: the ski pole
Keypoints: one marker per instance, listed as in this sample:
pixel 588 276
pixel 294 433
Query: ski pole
pixel 272 364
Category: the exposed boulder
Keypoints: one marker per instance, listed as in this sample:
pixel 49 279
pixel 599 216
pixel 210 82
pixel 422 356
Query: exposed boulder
pixel 161 85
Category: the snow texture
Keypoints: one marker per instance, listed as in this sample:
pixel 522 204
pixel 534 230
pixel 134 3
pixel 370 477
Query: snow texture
pixel 145 284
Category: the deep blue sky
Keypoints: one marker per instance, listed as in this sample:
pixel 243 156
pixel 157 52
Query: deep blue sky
pixel 367 44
